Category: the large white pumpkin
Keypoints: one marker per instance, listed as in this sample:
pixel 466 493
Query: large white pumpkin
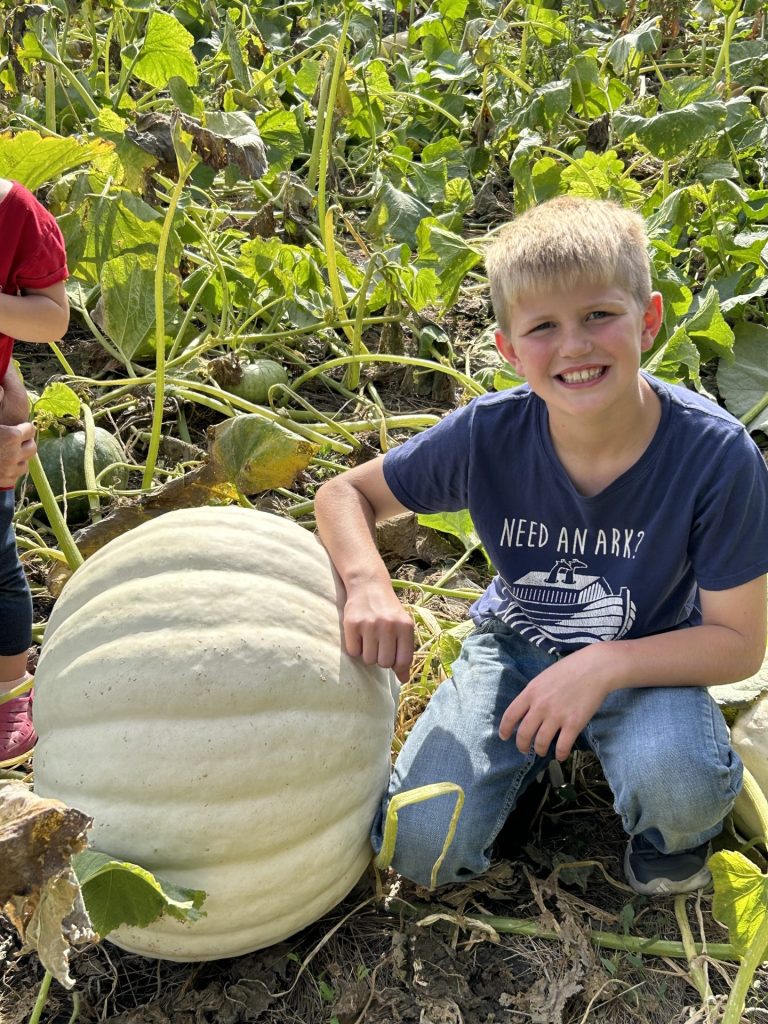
pixel 194 697
pixel 749 738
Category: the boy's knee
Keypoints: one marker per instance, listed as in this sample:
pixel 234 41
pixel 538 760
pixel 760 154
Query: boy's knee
pixel 687 793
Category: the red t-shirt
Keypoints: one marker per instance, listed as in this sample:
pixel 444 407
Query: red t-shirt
pixel 32 253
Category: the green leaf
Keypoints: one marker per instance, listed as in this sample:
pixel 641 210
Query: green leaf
pixel 545 24
pixel 111 225
pixel 58 400
pixel 677 352
pixel 741 899
pixel 592 95
pixel 601 175
pixel 672 132
pixel 116 892
pixel 127 284
pixel 458 524
pixel 708 328
pixel 505 378
pixel 744 383
pixel 646 38
pixel 449 643
pixel 450 255
pixel 167 51
pixel 232 46
pixel 453 9
pixel 281 136
pixel 549 104
pixel 32 159
pixel 678 92
pixel 397 214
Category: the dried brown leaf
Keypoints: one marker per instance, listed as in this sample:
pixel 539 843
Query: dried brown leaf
pixel 39 892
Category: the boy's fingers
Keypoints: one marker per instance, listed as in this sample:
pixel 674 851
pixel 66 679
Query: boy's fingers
pixel 510 718
pixel 404 659
pixel 564 745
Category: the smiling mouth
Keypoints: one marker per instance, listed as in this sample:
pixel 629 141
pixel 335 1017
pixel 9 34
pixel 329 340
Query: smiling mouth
pixel 582 376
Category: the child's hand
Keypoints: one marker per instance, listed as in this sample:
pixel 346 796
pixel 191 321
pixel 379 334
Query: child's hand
pixel 14 402
pixel 17 446
pixel 378 629
pixel 561 700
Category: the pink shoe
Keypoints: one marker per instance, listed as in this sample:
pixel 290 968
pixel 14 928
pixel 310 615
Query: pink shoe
pixel 17 734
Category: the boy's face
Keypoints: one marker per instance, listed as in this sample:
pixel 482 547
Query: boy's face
pixel 579 348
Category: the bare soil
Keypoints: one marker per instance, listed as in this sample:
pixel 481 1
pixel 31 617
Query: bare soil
pixel 392 953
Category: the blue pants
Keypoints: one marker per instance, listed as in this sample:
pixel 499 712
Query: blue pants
pixel 15 598
pixel 665 753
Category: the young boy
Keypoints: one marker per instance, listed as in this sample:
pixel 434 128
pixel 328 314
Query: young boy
pixel 33 307
pixel 626 519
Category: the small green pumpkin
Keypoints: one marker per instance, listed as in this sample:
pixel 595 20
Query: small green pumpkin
pixel 257 378
pixel 63 459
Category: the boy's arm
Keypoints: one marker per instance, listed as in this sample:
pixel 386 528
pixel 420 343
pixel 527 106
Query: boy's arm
pixel 37 315
pixel 347 508
pixel 729 645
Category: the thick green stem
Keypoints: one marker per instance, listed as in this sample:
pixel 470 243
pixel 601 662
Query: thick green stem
pixel 424 364
pixel 751 960
pixel 723 64
pixel 609 940
pixel 325 146
pixel 52 510
pixel 162 249
pixel 352 374
pixel 89 469
pixel 754 412
pixel 42 999
pixel 697 971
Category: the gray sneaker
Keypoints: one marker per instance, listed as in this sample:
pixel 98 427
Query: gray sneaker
pixel 658 874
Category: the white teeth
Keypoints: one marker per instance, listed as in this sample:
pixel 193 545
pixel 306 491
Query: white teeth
pixel 581 375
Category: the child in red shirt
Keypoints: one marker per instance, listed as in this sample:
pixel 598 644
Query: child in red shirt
pixel 33 307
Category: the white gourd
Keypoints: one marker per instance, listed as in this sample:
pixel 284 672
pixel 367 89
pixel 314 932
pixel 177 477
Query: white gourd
pixel 749 738
pixel 194 697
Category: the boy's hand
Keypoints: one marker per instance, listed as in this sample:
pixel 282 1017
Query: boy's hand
pixel 17 446
pixel 560 700
pixel 378 629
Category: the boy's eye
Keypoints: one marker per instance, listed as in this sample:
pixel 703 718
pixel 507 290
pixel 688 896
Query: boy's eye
pixel 598 314
pixel 542 326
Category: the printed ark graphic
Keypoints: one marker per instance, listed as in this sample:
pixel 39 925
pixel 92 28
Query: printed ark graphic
pixel 570 607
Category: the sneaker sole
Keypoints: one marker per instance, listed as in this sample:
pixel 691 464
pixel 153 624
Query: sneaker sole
pixel 666 886
pixel 11 762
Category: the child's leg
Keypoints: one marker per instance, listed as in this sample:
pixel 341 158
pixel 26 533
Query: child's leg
pixel 666 755
pixel 17 736
pixel 456 740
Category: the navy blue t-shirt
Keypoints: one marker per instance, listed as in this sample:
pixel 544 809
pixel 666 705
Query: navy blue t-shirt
pixel 691 512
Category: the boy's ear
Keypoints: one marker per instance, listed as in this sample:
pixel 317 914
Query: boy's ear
pixel 507 352
pixel 652 318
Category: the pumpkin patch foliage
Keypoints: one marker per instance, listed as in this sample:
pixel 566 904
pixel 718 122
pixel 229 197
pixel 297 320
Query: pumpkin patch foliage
pixel 276 217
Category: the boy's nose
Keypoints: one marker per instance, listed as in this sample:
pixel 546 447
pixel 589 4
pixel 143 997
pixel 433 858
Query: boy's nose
pixel 574 341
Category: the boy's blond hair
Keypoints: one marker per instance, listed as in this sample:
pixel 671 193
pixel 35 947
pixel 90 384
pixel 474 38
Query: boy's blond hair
pixel 565 242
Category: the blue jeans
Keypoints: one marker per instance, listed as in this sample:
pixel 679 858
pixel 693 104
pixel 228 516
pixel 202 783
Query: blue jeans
pixel 664 751
pixel 15 599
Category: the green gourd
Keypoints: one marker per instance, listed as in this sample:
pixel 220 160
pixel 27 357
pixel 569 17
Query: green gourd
pixel 63 459
pixel 256 380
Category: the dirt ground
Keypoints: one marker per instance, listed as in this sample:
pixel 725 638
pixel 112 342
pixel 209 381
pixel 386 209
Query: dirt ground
pixel 410 957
